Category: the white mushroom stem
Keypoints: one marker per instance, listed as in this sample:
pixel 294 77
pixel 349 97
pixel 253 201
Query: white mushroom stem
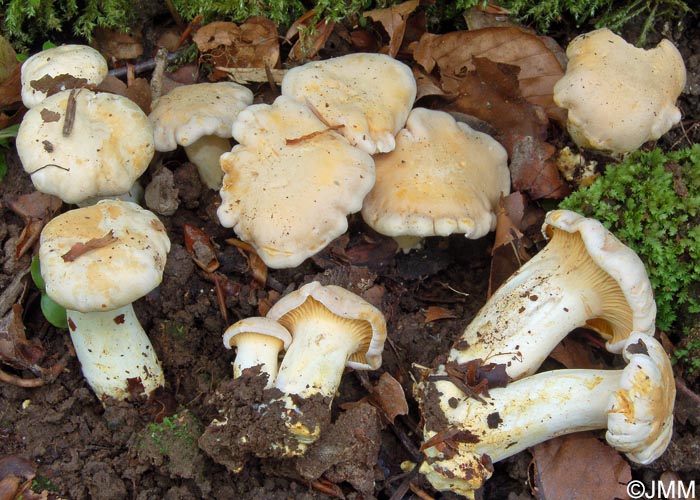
pixel 315 361
pixel 634 404
pixel 205 153
pixel 252 350
pixel 113 348
pixel 559 289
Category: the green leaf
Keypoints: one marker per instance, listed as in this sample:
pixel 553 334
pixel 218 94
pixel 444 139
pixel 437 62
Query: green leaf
pixel 36 274
pixel 54 313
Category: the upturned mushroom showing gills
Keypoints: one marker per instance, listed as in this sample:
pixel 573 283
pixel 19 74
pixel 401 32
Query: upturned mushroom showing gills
pixel 331 328
pixel 198 117
pixel 634 404
pixel 442 178
pixel 100 148
pixel 95 262
pixel 291 182
pixel 584 277
pixel 619 96
pixel 258 342
pixel 370 95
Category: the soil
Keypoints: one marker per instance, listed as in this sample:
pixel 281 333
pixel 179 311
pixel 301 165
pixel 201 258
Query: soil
pixel 162 447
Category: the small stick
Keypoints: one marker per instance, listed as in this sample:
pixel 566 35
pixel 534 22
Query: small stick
pixel 70 112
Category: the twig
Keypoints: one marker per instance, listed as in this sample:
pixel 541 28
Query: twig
pixel 19 381
pixel 13 290
pixel 144 66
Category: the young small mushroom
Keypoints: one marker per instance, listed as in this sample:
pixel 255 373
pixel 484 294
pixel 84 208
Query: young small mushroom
pixel 95 262
pixel 79 144
pixel 331 328
pixel 370 95
pixel 442 178
pixel 60 68
pixel 619 96
pixel 583 277
pixel 291 182
pixel 634 404
pixel 258 342
pixel 199 117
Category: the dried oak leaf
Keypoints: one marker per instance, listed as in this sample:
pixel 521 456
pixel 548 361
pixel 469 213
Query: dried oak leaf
pixel 79 248
pixel 36 209
pixel 15 349
pixel 117 46
pixel 601 472
pixel 253 44
pixel 390 396
pixel 255 263
pixel 452 53
pixel 435 313
pixel 574 352
pixel 394 19
pixel 508 252
pixel 198 244
pixel 307 47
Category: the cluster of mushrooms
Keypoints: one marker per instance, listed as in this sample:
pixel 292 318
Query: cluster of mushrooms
pixel 344 137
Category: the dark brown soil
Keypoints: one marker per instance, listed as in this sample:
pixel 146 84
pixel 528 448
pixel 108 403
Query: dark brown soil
pixel 116 450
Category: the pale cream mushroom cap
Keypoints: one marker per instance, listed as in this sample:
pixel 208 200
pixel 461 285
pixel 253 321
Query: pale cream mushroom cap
pixel 622 264
pixel 291 182
pixel 640 421
pixel 109 147
pixel 345 305
pixel 190 112
pixel 111 275
pixel 442 178
pixel 370 94
pixel 256 325
pixel 78 61
pixel 619 96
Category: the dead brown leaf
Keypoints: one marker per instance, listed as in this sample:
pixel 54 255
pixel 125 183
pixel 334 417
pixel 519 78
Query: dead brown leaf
pixel 138 90
pixel 117 46
pixel 10 88
pixel 15 349
pixel 198 244
pixel 508 252
pixel 253 44
pixel 453 54
pixel 389 394
pixel 307 47
pixel 533 169
pixel 79 249
pixel 394 19
pixel 36 209
pixel 256 264
pixel 601 472
pixel 572 352
pixel 435 313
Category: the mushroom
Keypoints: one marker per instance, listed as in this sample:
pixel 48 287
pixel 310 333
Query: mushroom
pixel 583 277
pixel 95 262
pixel 199 117
pixel 291 182
pixel 79 144
pixel 258 342
pixel 331 328
pixel 442 178
pixel 370 95
pixel 635 404
pixel 619 96
pixel 60 68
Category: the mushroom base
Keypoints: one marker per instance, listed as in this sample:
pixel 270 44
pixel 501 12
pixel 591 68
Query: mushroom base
pixel 115 353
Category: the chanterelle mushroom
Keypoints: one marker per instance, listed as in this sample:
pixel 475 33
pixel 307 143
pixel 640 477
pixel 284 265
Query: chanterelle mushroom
pixel 99 148
pixel 258 342
pixel 60 68
pixel 369 94
pixel 96 261
pixel 199 118
pixel 583 277
pixel 331 328
pixel 442 178
pixel 619 96
pixel 291 182
pixel 635 404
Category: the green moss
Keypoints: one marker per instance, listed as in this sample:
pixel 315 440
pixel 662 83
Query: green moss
pixel 651 201
pixel 28 22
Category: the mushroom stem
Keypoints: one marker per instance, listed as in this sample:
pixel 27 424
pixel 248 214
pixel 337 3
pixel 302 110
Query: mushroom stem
pixel 113 349
pixel 253 349
pixel 634 404
pixel 205 153
pixel 559 289
pixel 316 358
